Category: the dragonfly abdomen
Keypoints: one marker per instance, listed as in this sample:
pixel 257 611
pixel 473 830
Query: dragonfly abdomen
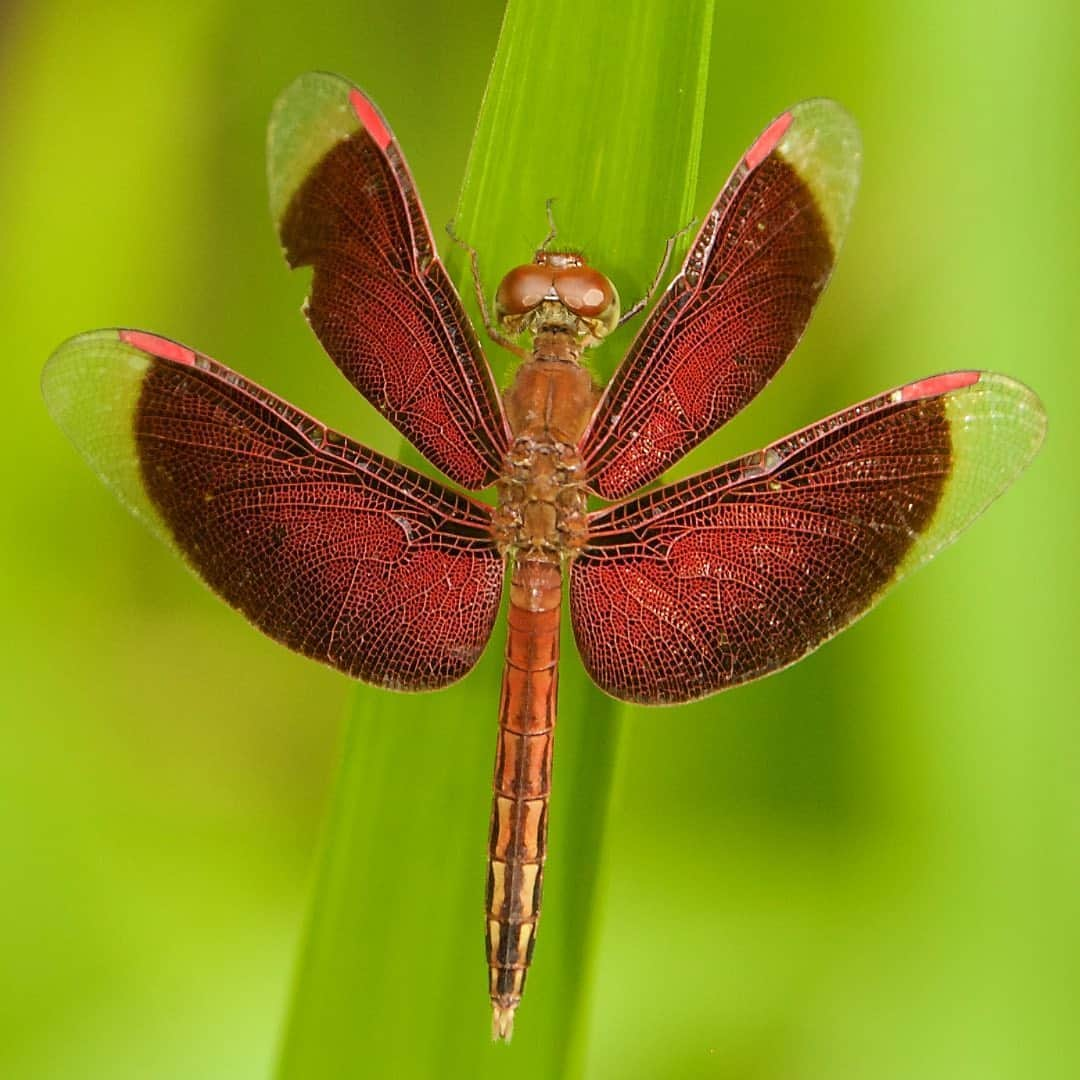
pixel 518 843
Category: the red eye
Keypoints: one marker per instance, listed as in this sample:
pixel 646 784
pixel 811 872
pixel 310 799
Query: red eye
pixel 522 289
pixel 584 291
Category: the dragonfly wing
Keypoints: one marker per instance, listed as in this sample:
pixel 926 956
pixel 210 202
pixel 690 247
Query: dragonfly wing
pixel 326 546
pixel 739 304
pixel 740 571
pixel 381 302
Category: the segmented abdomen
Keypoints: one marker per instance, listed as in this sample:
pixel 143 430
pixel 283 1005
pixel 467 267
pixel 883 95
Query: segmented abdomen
pixel 518 843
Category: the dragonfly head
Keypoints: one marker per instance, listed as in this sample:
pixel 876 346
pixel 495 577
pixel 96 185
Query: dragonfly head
pixel 557 291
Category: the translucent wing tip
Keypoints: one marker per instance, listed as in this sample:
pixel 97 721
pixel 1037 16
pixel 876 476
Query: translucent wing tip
pixel 997 426
pixel 823 144
pixel 75 367
pixel 1015 410
pixel 91 386
pixel 312 114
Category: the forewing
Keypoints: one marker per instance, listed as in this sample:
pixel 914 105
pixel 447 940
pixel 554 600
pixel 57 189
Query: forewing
pixel 740 571
pixel 329 548
pixel 739 304
pixel 381 302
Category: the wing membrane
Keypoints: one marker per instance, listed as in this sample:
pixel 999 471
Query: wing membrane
pixel 740 571
pixel 738 306
pixel 326 546
pixel 381 302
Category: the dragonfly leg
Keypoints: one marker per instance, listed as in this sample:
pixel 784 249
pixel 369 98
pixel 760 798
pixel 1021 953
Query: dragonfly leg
pixel 490 325
pixel 661 270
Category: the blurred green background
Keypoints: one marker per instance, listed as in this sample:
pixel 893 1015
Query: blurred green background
pixel 865 866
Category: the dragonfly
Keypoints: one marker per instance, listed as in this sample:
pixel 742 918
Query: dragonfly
pixel 675 592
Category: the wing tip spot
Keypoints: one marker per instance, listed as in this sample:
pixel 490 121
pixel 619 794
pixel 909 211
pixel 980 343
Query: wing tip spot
pixel 369 116
pixel 767 141
pixel 160 347
pixel 936 385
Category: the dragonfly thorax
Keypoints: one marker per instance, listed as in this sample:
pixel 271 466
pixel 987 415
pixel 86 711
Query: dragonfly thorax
pixel 542 501
pixel 542 511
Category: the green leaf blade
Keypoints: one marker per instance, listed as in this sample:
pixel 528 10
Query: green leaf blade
pixel 607 120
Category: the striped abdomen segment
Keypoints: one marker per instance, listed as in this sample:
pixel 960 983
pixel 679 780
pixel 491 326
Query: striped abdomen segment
pixel 518 843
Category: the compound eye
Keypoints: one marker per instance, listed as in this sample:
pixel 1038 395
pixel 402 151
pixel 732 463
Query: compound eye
pixel 585 291
pixel 522 290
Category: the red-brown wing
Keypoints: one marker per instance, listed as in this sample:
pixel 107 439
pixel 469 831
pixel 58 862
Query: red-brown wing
pixel 329 548
pixel 381 302
pixel 738 306
pixel 742 570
